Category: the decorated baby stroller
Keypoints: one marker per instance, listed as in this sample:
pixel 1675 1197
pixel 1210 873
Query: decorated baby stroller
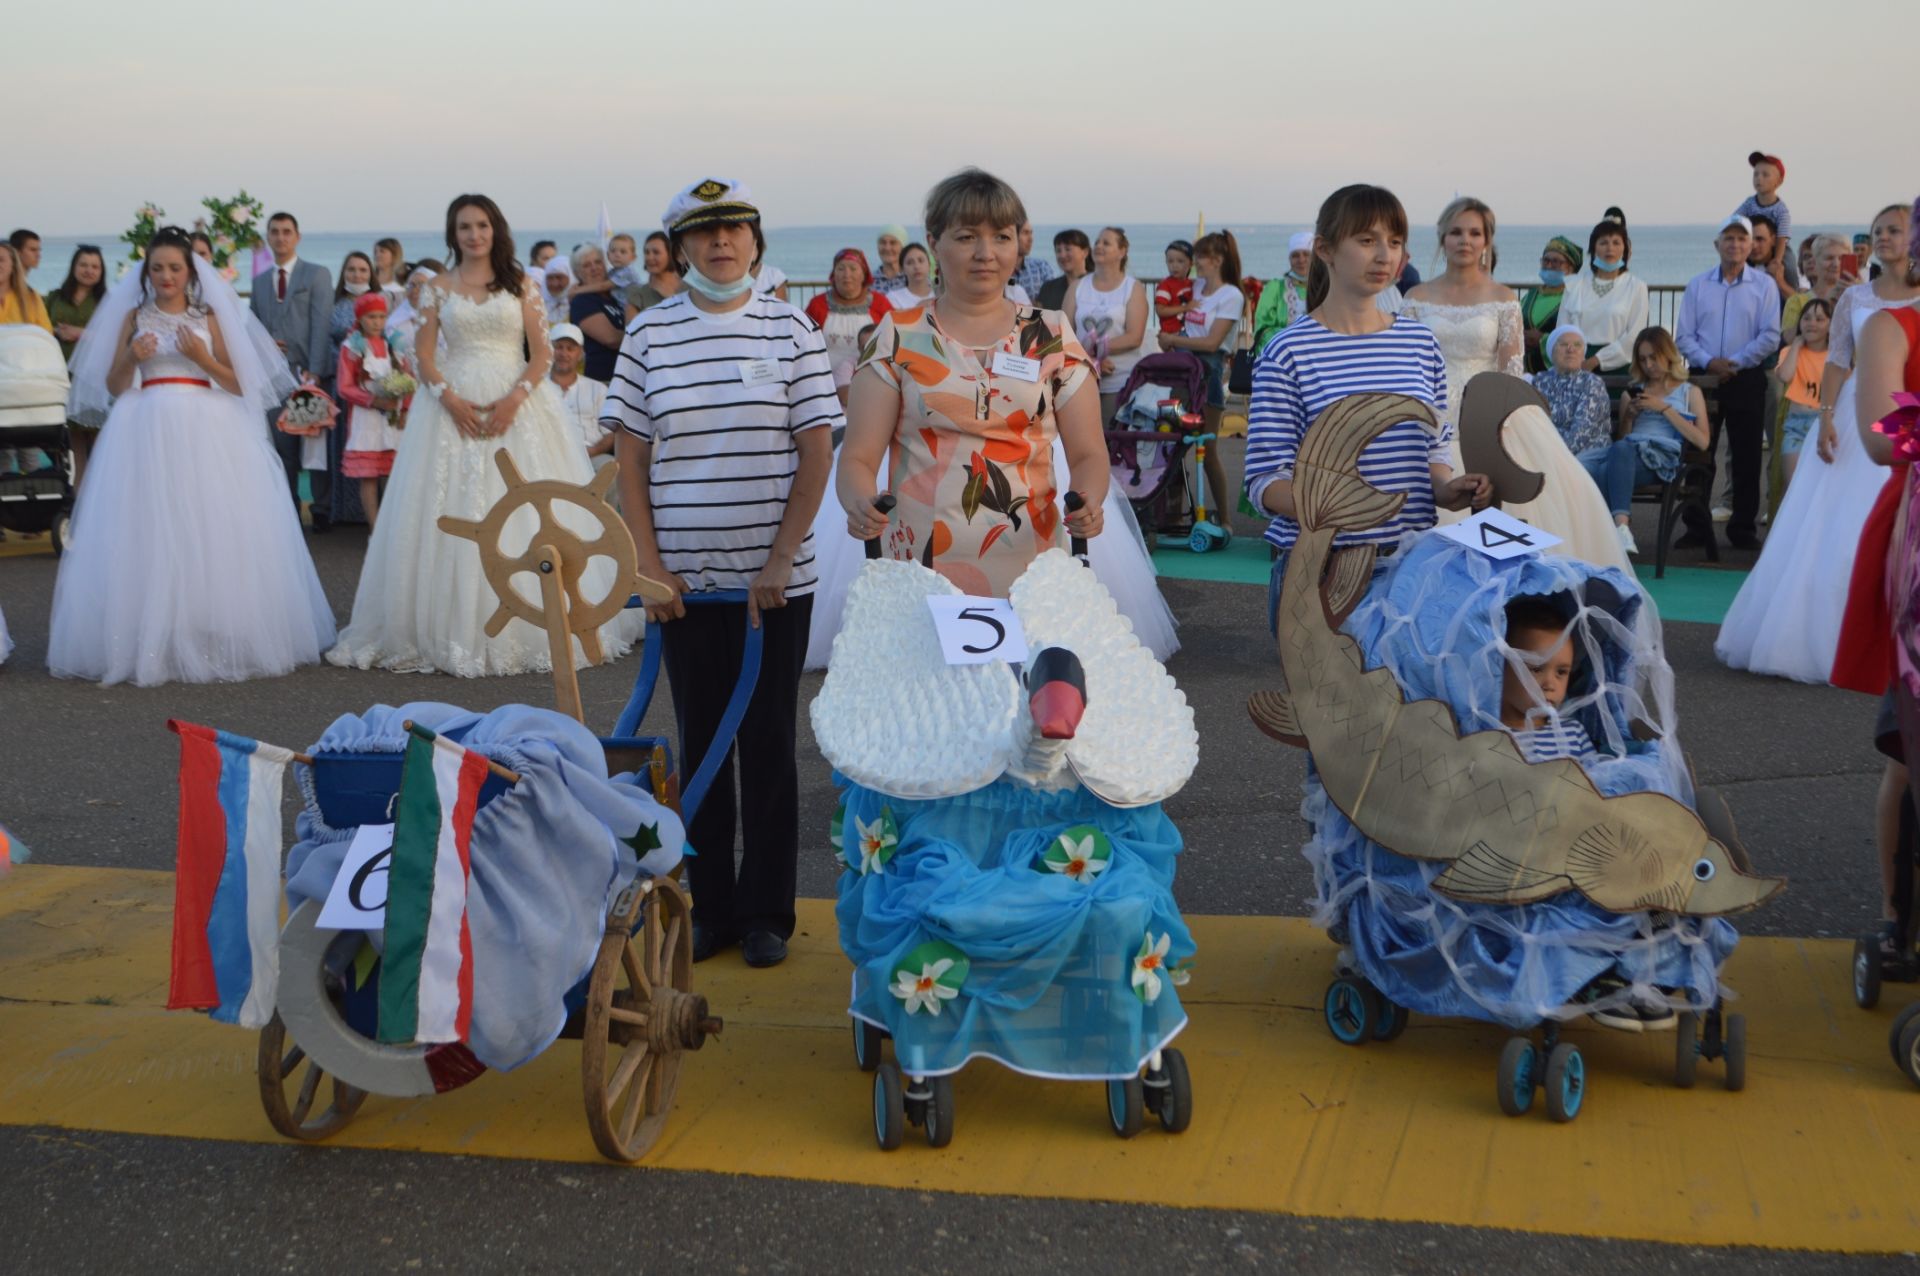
pixel 33 422
pixel 1463 877
pixel 573 924
pixel 1150 436
pixel 1008 877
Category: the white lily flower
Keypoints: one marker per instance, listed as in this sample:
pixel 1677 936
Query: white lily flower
pixel 1147 965
pixel 1079 864
pixel 875 840
pixel 925 991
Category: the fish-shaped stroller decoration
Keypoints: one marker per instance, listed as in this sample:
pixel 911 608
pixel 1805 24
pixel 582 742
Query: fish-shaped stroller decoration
pixel 1509 830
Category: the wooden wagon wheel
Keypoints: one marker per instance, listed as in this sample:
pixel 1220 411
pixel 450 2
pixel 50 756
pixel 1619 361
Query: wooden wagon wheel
pixel 557 557
pixel 641 1016
pixel 278 1064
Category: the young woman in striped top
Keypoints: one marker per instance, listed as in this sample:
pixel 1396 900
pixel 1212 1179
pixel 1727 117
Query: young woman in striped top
pixel 727 410
pixel 1346 345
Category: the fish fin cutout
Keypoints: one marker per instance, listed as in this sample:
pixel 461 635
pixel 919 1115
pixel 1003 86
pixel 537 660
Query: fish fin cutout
pixel 1347 581
pixel 1328 491
pixel 1273 713
pixel 1486 876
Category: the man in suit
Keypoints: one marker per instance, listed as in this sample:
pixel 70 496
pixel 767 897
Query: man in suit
pixel 293 300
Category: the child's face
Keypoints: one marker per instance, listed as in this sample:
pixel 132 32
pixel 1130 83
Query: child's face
pixel 1813 325
pixel 373 323
pixel 1549 678
pixel 619 253
pixel 1178 264
pixel 1766 178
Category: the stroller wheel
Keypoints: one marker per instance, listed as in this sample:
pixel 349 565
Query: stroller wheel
pixel 939 1122
pixel 889 1107
pixel 1686 1048
pixel 1566 1082
pixel 866 1045
pixel 1519 1076
pixel 61 532
pixel 1176 1100
pixel 1900 1022
pixel 1735 1052
pixel 1389 1020
pixel 1126 1107
pixel 1349 1010
pixel 1866 971
pixel 1910 1050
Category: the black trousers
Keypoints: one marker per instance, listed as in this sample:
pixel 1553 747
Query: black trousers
pixel 1743 414
pixel 288 448
pixel 702 653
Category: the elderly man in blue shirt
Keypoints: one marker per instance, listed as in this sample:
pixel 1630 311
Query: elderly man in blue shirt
pixel 1730 326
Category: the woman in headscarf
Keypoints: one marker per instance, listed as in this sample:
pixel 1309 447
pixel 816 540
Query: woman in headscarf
pixel 891 243
pixel 844 309
pixel 1540 307
pixel 556 289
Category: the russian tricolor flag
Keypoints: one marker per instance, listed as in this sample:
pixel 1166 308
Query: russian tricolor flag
pixel 226 900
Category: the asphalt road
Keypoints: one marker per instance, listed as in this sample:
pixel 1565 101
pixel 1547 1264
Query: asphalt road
pixel 87 778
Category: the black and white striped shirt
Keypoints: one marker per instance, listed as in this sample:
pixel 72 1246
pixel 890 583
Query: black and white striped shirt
pixel 721 397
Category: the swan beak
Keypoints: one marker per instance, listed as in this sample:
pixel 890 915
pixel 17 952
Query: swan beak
pixel 1058 698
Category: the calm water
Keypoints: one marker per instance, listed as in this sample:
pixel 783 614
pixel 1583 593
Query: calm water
pixel 1661 254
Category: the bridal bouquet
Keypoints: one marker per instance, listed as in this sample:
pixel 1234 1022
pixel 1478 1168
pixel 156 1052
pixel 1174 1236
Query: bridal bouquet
pixel 308 412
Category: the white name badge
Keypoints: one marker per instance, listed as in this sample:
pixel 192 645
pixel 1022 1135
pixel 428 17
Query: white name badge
pixel 760 371
pixel 1499 535
pixel 1019 367
pixel 358 898
pixel 976 631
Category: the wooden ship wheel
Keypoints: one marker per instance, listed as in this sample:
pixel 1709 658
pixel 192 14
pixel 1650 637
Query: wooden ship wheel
pixel 557 556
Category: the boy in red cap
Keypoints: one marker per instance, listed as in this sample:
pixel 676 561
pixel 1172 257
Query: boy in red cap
pixel 1768 172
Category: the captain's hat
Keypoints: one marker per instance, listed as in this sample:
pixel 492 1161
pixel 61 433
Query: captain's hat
pixel 709 202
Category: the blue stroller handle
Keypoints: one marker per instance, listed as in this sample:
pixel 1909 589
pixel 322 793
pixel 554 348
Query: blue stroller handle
pixel 736 711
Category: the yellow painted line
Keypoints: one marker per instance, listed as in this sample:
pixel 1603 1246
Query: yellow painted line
pixel 20 544
pixel 1822 1151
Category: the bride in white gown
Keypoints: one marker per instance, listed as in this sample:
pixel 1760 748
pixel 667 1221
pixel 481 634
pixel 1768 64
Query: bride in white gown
pixel 1786 618
pixel 423 603
pixel 1477 323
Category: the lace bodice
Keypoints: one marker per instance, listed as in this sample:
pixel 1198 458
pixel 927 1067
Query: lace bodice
pixel 1850 314
pixel 1483 337
pixel 482 343
pixel 168 361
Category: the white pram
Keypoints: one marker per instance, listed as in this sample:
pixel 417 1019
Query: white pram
pixel 33 420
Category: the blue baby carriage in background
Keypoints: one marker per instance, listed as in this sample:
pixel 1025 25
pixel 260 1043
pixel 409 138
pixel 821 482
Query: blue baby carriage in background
pixel 1008 877
pixel 576 844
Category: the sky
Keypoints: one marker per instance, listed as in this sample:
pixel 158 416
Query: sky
pixel 371 116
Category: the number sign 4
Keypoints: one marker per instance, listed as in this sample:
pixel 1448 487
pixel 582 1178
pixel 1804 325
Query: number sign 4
pixel 1499 535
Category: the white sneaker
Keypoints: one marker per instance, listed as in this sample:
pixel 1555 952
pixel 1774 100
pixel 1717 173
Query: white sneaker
pixel 1627 543
pixel 1721 514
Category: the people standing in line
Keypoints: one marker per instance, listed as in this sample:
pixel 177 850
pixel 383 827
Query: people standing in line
pixel 1030 272
pixel 1345 344
pixel 185 563
pixel 389 270
pixel 599 313
pixel 662 280
pixel 1666 414
pixel 917 264
pixel 1560 260
pixel 1799 371
pixel 1107 310
pixel 1729 326
pixel 720 477
pixel 1786 618
pixel 1073 253
pixel 581 397
pixel 849 304
pixel 365 359
pixel 1604 299
pixel 1477 322
pixel 1173 295
pixel 888 245
pixel 70 308
pixel 293 300
pixel 1285 299
pixel 1769 171
pixel 1210 332
pixel 423 603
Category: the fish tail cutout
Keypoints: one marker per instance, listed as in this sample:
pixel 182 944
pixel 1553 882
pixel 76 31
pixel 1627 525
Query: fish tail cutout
pixel 1486 876
pixel 1273 713
pixel 1618 867
pixel 1347 581
pixel 1328 489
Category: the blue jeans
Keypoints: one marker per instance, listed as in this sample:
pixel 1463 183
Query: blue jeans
pixel 1794 430
pixel 1618 469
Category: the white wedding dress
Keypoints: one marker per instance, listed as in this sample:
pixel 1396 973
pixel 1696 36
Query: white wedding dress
pixel 1786 618
pixel 1486 337
pixel 423 602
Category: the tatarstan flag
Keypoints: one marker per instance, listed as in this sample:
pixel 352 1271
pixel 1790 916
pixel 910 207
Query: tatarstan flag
pixel 426 971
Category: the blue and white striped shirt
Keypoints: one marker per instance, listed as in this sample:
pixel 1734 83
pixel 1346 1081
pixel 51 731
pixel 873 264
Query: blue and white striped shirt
pixel 1555 738
pixel 1307 366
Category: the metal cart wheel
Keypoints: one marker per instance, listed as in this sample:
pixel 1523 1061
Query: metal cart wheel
pixel 295 1118
pixel 641 1017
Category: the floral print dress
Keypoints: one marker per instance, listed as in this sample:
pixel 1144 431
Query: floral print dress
pixel 972 455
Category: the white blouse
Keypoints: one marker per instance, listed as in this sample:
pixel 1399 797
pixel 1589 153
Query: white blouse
pixel 1611 321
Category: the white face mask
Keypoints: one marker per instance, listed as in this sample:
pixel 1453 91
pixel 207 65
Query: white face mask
pixel 713 291
pixel 354 290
